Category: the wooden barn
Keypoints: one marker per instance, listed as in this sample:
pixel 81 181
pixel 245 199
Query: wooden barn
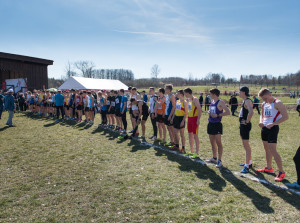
pixel 33 70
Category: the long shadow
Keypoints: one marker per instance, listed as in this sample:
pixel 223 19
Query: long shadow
pixel 285 195
pixel 262 203
pixel 4 128
pixel 202 171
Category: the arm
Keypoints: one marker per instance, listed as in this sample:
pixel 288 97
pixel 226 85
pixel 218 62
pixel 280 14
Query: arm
pixel 197 104
pixel 124 107
pixel 173 107
pixel 186 111
pixel 261 117
pixel 224 107
pixel 249 106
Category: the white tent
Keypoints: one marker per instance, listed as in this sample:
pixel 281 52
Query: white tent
pixel 83 83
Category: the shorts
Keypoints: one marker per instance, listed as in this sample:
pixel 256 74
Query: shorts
pixel 270 135
pixel 87 109
pixel 166 121
pixel 192 125
pixel 45 104
pixel 112 111
pixel 245 131
pixel 177 121
pixel 214 128
pixel 118 113
pixel 79 107
pixel 145 116
pixel 160 119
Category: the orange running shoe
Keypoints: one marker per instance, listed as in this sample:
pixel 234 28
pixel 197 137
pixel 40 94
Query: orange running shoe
pixel 280 176
pixel 265 170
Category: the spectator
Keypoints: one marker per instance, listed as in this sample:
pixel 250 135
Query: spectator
pixel 255 104
pixel 145 97
pixel 10 107
pixel 21 101
pixel 233 102
pixel 207 102
pixel 201 99
pixel 59 104
pixel 1 103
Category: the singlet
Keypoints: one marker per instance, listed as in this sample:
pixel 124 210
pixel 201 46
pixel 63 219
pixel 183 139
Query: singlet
pixel 103 106
pixel 108 101
pixel 179 109
pixel 271 114
pixel 123 100
pixel 244 112
pixel 77 100
pixel 113 101
pixel 213 108
pixel 169 105
pixel 91 103
pixel 152 103
pixel 118 101
pixel 53 98
pixel 193 110
pixel 162 107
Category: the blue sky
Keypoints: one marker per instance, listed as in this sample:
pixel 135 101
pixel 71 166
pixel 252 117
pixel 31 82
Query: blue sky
pixel 232 37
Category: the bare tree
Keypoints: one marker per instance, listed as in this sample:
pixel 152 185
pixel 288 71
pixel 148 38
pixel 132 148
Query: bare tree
pixel 69 70
pixel 86 68
pixel 155 71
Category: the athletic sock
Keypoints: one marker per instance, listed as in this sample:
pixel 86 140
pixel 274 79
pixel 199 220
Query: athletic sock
pixel 215 158
pixel 177 145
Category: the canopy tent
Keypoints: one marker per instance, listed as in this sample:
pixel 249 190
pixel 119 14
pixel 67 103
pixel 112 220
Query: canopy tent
pixel 83 83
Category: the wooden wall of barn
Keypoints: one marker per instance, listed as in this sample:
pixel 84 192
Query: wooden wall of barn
pixel 36 74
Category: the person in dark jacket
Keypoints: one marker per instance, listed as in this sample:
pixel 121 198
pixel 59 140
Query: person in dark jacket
pixel 201 99
pixel 59 104
pixel 10 106
pixel 207 102
pixel 255 104
pixel 233 102
pixel 21 101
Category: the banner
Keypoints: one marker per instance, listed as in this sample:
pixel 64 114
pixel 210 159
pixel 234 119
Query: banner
pixel 17 84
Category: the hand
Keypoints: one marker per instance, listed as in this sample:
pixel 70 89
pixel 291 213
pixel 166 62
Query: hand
pixel 198 121
pixel 122 112
pixel 213 115
pixel 169 119
pixel 269 126
pixel 182 123
pixel 14 110
pixel 243 122
pixel 261 125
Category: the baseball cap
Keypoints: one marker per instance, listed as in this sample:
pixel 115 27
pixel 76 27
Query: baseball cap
pixel 245 89
pixel 10 90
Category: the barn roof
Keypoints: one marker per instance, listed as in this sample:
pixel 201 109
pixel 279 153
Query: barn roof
pixel 22 58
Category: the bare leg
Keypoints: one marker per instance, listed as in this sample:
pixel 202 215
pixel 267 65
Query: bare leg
pixel 220 146
pixel 191 139
pixel 247 150
pixel 213 143
pixel 268 154
pixel 196 138
pixel 143 127
pixel 276 156
pixel 182 137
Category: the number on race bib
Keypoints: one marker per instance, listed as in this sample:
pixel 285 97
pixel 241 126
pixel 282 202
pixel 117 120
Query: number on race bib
pixel 190 106
pixel 178 106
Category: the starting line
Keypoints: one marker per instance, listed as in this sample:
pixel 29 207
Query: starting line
pixel 202 162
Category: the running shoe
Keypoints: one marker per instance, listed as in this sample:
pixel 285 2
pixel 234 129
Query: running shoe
pixel 219 164
pixel 212 160
pixel 174 148
pixel 182 151
pixel 169 144
pixel 245 170
pixel 280 176
pixel 194 156
pixel 151 137
pixel 120 137
pixel 294 185
pixel 154 138
pixel 265 170
pixel 131 131
pixel 243 164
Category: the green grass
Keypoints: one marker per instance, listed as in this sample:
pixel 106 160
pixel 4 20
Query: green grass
pixel 74 173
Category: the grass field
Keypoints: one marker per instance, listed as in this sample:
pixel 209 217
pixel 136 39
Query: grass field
pixel 68 172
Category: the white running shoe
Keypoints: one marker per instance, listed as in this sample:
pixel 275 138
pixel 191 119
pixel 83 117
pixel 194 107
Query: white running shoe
pixel 219 164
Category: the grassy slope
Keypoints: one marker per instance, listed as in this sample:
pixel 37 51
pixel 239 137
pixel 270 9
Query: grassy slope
pixel 72 173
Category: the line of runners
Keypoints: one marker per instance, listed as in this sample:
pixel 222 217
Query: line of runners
pixel 170 112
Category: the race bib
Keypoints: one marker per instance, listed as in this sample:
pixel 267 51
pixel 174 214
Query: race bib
pixel 113 103
pixel 268 113
pixel 108 102
pixel 212 109
pixel 178 106
pixel 117 101
pixel 190 106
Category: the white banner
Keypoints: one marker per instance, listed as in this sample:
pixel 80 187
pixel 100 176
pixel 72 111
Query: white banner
pixel 19 84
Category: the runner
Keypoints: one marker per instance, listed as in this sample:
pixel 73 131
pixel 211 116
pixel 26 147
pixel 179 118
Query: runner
pixel 170 109
pixel 256 104
pixel 246 114
pixel 298 105
pixel 194 115
pixel 91 105
pixel 112 109
pixel 215 127
pixel 179 119
pixel 296 159
pixel 273 113
pixel 117 110
pixel 153 100
pixel 123 109
pixel 103 108
pixel 135 95
pixel 79 106
pixel 160 113
pixel 108 102
pixel 137 114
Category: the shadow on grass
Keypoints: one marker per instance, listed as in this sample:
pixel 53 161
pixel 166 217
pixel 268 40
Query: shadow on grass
pixel 201 171
pixel 285 195
pixel 262 203
pixel 4 128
